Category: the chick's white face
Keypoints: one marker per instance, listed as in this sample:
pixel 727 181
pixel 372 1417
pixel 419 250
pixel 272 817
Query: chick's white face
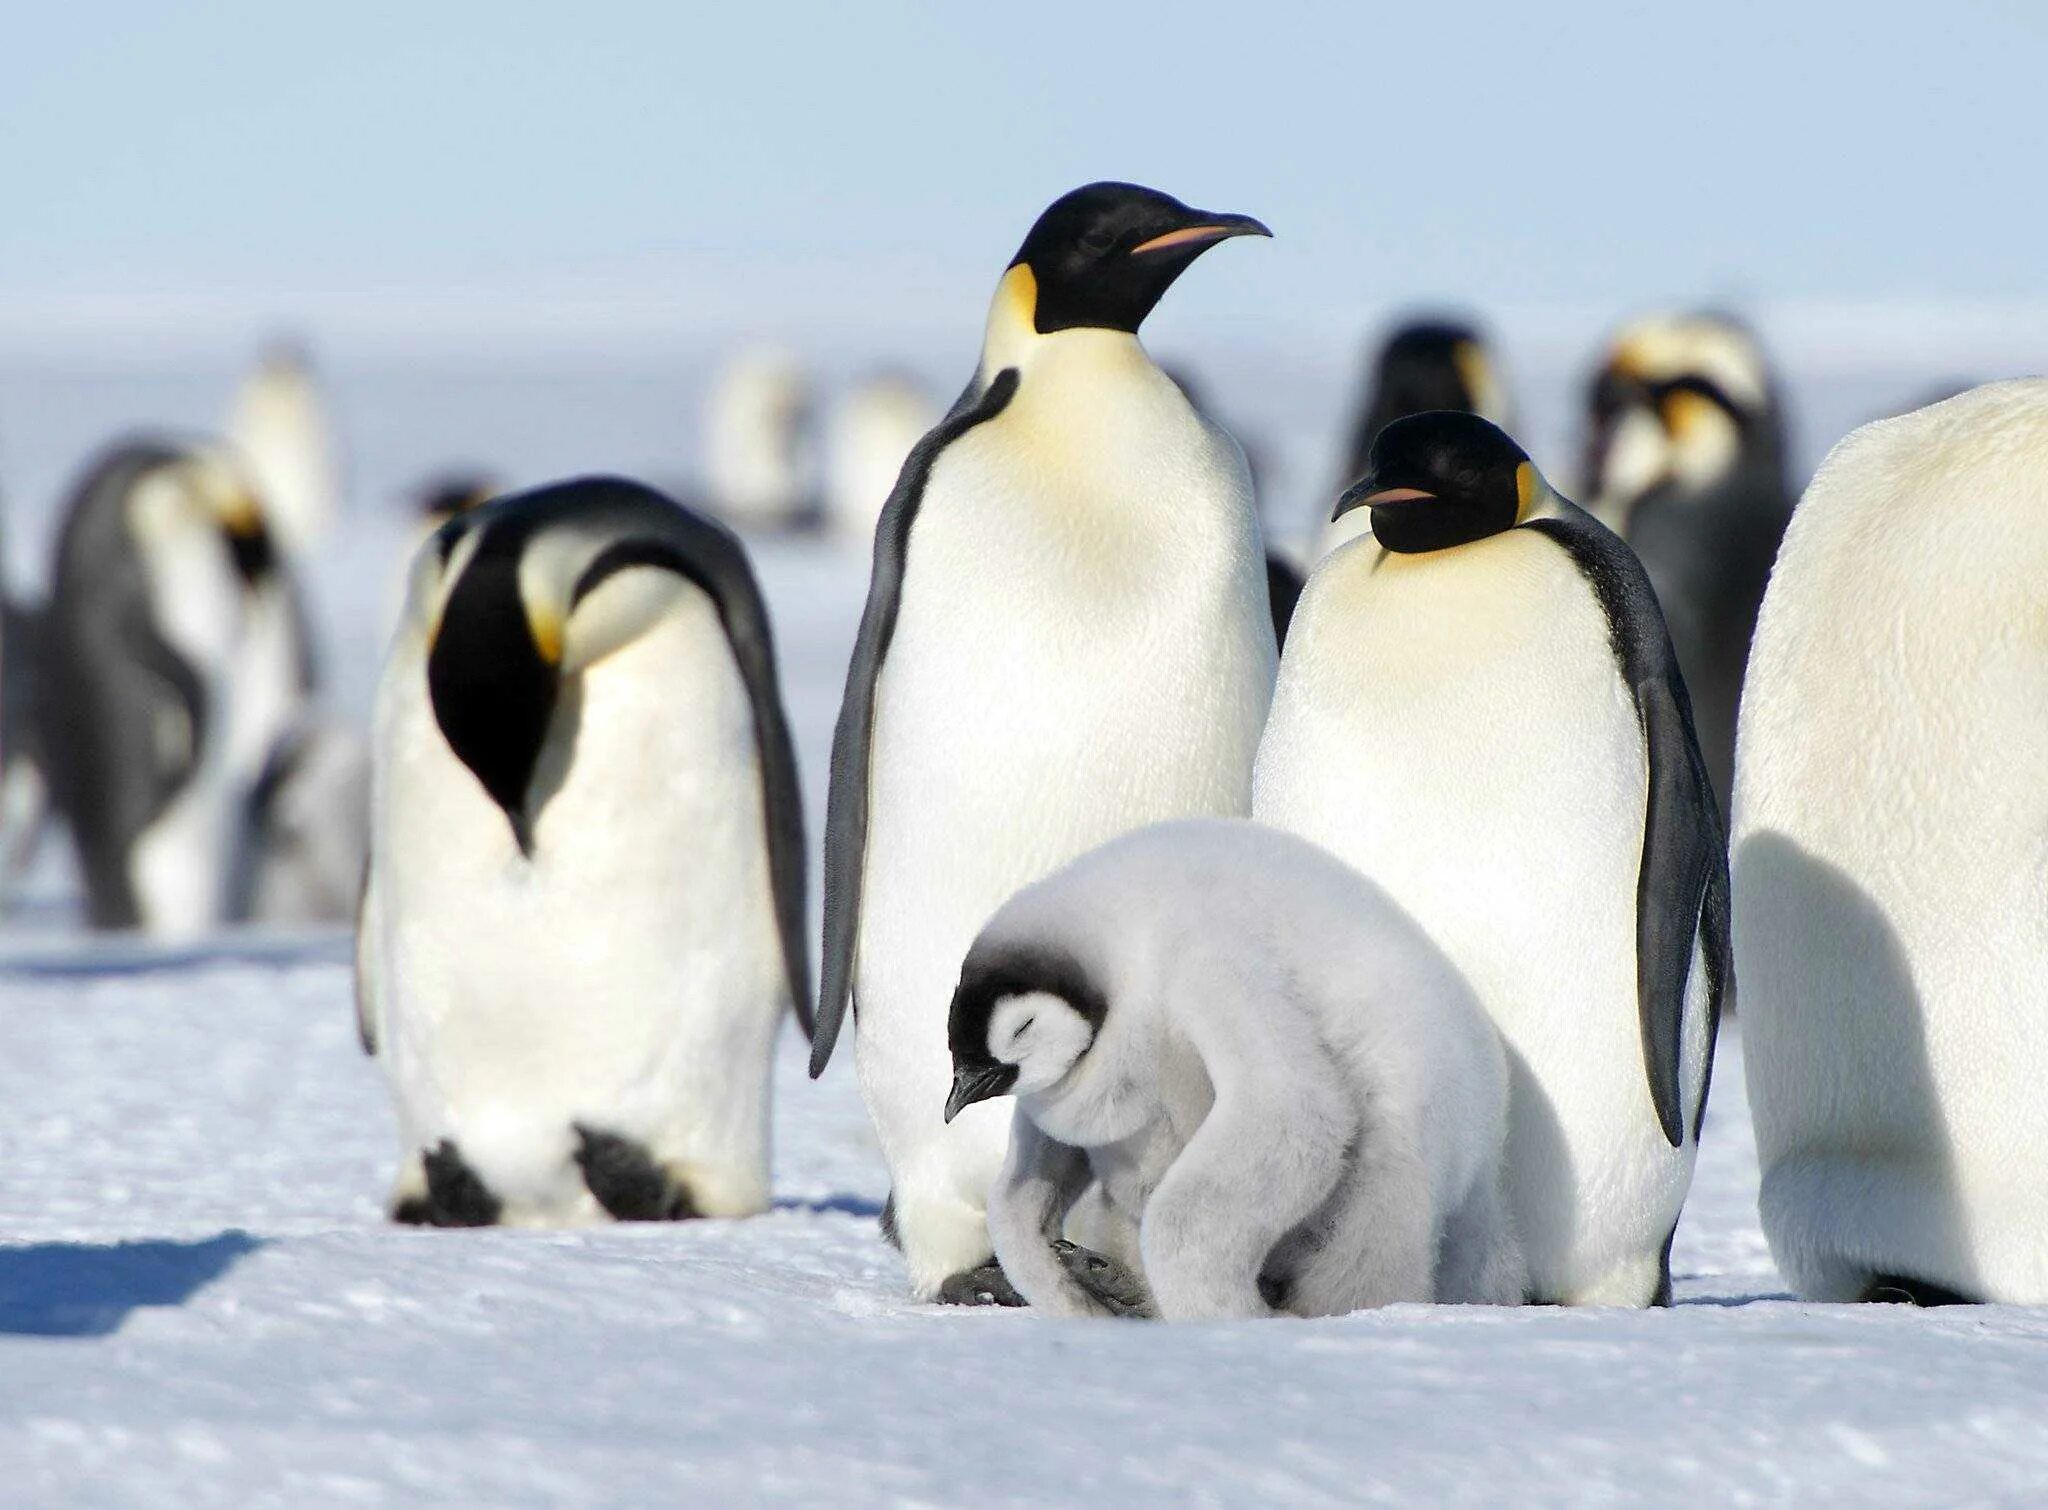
pixel 1040 1034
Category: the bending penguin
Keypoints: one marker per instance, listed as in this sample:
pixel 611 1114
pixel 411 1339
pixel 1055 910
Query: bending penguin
pixel 1890 940
pixel 584 915
pixel 1480 708
pixel 1688 452
pixel 1290 1099
pixel 1424 364
pixel 1067 636
pixel 175 658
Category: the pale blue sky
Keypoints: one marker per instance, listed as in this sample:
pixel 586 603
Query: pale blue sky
pixel 1527 153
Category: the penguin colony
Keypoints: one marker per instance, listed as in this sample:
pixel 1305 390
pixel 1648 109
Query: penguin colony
pixel 1194 978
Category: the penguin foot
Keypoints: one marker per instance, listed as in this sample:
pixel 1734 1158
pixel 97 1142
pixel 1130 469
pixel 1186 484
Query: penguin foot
pixel 889 1233
pixel 985 1286
pixel 626 1180
pixel 1108 1283
pixel 455 1196
pixel 1897 1290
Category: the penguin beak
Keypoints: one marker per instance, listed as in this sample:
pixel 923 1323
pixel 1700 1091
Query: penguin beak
pixel 973 1083
pixel 1368 494
pixel 1206 231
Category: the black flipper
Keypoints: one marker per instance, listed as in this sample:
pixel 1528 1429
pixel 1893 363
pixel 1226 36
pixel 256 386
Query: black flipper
pixel 846 806
pixel 1682 886
pixel 626 1180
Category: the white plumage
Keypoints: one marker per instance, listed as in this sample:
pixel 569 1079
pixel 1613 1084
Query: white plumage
pixel 1291 1099
pixel 1891 941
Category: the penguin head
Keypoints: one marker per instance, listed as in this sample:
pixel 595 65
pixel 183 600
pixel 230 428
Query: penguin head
pixel 442 498
pixel 1102 256
pixel 1646 426
pixel 1442 479
pixel 1021 1020
pixel 524 593
pixel 1434 364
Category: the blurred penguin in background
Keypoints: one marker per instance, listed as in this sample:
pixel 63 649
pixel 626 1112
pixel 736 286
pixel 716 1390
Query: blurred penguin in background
pixel 1889 933
pixel 24 792
pixel 1424 363
pixel 756 451
pixel 1686 454
pixel 871 430
pixel 175 661
pixel 279 425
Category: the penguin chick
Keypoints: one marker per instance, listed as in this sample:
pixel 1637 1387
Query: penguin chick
pixel 1291 1100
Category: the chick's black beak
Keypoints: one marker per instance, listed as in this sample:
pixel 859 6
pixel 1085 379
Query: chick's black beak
pixel 978 1082
pixel 1204 230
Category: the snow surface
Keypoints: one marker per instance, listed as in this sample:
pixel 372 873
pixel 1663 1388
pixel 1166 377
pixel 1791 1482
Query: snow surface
pixel 200 1304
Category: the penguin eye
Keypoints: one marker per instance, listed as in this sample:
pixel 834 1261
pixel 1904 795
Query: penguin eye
pixel 1098 240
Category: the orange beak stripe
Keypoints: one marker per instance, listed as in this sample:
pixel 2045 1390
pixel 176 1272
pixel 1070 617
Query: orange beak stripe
pixel 1183 237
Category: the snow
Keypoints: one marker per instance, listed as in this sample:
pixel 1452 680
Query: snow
pixel 201 1305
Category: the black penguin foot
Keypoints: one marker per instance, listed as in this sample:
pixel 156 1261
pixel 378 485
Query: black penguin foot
pixel 1897 1290
pixel 985 1286
pixel 627 1181
pixel 1108 1283
pixel 889 1233
pixel 456 1196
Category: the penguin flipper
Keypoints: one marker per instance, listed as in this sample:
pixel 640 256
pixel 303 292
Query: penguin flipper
pixel 658 532
pixel 1682 891
pixel 846 804
pixel 1682 855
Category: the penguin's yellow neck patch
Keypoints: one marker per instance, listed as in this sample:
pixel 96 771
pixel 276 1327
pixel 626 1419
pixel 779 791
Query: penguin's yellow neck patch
pixel 1526 490
pixel 546 628
pixel 1012 320
pixel 1474 374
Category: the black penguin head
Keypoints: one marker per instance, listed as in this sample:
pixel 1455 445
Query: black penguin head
pixel 493 675
pixel 1103 255
pixel 1022 1017
pixel 1430 364
pixel 1442 479
pixel 442 498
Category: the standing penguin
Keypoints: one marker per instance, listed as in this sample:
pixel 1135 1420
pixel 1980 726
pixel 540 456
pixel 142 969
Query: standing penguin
pixel 1889 811
pixel 1067 635
pixel 24 796
pixel 1480 709
pixel 872 429
pixel 279 425
pixel 1688 451
pixel 584 915
pixel 1423 365
pixel 174 658
pixel 755 453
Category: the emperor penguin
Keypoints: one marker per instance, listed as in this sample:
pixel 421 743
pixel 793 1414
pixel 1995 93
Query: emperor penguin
pixel 1890 937
pixel 1066 636
pixel 175 656
pixel 1688 451
pixel 24 793
pixel 756 453
pixel 1289 1098
pixel 280 426
pixel 584 918
pixel 871 430
pixel 1424 363
pixel 1480 709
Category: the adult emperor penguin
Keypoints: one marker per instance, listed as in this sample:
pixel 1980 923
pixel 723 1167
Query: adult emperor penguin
pixel 756 458
pixel 871 430
pixel 584 915
pixel 24 792
pixel 1424 363
pixel 1480 709
pixel 1066 636
pixel 1688 449
pixel 1890 938
pixel 174 659
pixel 279 424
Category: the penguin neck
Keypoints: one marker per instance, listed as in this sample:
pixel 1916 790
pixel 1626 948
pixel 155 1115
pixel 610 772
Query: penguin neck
pixel 1012 339
pixel 1707 454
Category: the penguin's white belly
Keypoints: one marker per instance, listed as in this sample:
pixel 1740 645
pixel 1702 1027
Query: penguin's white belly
pixel 1083 647
pixel 629 978
pixel 1456 727
pixel 1891 860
